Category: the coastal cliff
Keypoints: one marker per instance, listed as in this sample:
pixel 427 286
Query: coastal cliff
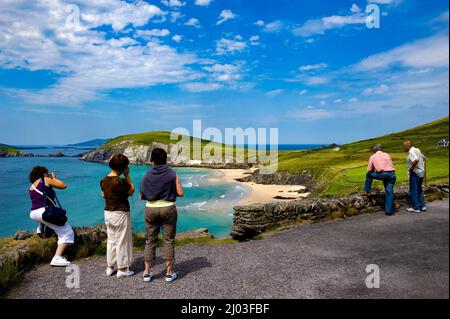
pixel 138 149
pixel 253 220
pixel 15 154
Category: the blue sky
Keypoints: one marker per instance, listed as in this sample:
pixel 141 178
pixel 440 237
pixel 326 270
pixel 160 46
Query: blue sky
pixel 310 68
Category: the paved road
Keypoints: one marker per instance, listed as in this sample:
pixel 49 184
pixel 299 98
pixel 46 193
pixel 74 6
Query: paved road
pixel 326 260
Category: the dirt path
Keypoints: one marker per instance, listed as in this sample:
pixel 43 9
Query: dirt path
pixel 326 260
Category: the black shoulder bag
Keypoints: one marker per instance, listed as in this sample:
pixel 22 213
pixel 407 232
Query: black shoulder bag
pixel 53 214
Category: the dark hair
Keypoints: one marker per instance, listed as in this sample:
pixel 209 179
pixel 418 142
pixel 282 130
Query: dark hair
pixel 37 172
pixel 378 147
pixel 119 162
pixel 159 156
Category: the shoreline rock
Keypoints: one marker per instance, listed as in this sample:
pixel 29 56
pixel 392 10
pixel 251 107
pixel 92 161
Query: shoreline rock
pixel 280 178
pixel 57 154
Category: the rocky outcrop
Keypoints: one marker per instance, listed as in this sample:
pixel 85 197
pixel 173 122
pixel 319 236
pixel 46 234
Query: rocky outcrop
pixel 280 178
pixel 22 234
pixel 195 234
pixel 250 221
pixel 57 154
pixel 80 155
pixel 140 154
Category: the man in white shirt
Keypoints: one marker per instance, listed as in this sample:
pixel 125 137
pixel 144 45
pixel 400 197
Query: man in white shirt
pixel 416 173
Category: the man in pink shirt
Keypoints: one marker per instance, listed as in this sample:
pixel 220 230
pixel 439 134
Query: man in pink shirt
pixel 382 168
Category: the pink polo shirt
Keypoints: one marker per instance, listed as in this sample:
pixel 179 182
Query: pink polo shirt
pixel 380 162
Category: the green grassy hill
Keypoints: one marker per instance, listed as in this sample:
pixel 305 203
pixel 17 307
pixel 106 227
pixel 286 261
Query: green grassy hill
pixel 343 172
pixel 140 139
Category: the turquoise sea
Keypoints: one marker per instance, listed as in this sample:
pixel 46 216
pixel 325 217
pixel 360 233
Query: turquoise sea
pixel 205 205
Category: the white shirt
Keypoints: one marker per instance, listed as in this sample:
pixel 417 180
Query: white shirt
pixel 413 155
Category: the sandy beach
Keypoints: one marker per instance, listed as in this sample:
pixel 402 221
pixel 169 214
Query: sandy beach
pixel 258 193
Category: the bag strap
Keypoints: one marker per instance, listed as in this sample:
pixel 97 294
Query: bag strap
pixel 44 193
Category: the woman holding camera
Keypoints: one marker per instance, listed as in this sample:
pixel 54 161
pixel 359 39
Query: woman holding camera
pixel 41 191
pixel 116 191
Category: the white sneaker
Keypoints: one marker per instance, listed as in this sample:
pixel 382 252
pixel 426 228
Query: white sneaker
pixel 123 274
pixel 40 229
pixel 110 271
pixel 412 210
pixel 424 209
pixel 59 261
pixel 171 277
pixel 148 277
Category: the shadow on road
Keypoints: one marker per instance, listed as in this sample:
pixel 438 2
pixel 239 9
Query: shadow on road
pixel 182 268
pixel 138 264
pixel 188 266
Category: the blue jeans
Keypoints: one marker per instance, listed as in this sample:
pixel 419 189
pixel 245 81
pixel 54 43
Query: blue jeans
pixel 388 179
pixel 416 196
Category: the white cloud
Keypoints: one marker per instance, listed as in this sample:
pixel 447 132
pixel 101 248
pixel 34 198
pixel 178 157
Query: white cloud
pixel 353 100
pixel 116 13
pixel 226 15
pixel 430 52
pixel 320 26
pixel 193 22
pixel 227 46
pixel 274 93
pixel 86 63
pixel 274 27
pixel 382 89
pixel 316 80
pixel 442 18
pixel 150 106
pixel 224 72
pixel 313 67
pixel 309 113
pixel 153 33
pixel 198 87
pixel 122 42
pixel 173 3
pixel 338 101
pixel 175 16
pixel 260 23
pixel 355 9
pixel 203 3
pixel 177 38
pixel 303 92
pixel 254 40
